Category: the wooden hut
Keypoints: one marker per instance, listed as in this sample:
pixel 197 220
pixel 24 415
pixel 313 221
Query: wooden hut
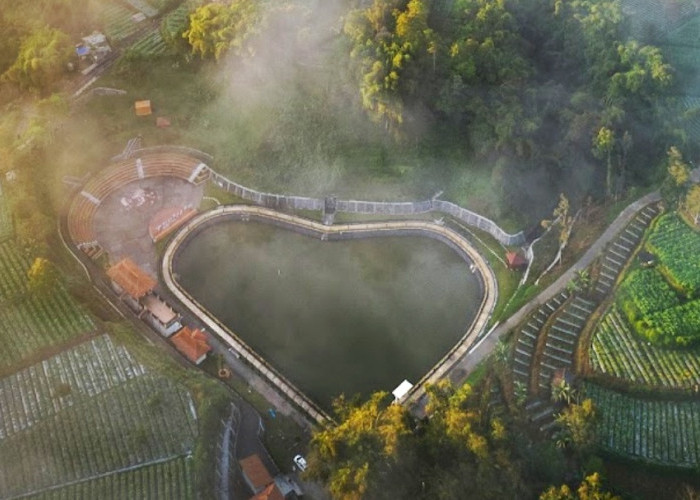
pixel 143 108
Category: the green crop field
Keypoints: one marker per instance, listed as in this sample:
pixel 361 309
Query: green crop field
pixel 645 337
pixel 171 479
pixel 150 45
pixel 117 21
pixel 657 432
pixel 661 304
pixel 89 412
pixel 32 323
pixel 677 246
pixel 174 24
pixel 645 292
pixel 617 351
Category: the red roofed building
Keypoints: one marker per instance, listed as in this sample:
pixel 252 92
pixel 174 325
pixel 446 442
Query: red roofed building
pixel 167 220
pixel 129 278
pixel 515 261
pixel 271 492
pixel 255 474
pixel 192 344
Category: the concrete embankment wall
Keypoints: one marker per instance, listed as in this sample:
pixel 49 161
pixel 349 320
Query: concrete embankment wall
pixel 338 231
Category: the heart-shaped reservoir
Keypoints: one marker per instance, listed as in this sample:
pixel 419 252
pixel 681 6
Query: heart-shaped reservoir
pixel 350 316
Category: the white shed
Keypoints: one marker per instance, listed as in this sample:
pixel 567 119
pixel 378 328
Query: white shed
pixel 401 390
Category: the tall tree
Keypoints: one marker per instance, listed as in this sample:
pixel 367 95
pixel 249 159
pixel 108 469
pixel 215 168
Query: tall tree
pixel 677 178
pixel 41 60
pixel 590 28
pixel 391 40
pixel 578 424
pixel 350 455
pixel 42 276
pixel 692 202
pixel 217 28
pixel 563 392
pixel 485 66
pixel 603 144
pixel 640 72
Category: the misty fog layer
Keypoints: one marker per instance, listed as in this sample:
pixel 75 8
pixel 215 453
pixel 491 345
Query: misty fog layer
pixel 349 317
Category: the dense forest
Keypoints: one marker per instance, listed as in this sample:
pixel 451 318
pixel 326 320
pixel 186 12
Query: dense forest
pixel 538 97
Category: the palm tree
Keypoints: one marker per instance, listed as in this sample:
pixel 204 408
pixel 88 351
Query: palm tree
pixel 563 392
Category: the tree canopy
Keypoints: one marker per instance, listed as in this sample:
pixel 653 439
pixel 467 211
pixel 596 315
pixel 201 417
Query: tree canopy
pixel 589 489
pixel 379 450
pixel 216 28
pixel 41 60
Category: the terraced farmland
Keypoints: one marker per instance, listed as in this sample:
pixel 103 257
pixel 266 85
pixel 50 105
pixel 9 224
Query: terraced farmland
pixel 618 352
pixel 174 24
pixel 677 246
pixel 90 412
pixel 32 323
pixel 658 432
pixel 40 391
pixel 150 45
pixel 171 479
pixel 117 21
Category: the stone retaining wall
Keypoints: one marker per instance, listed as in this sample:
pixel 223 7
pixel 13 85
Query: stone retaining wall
pixel 338 231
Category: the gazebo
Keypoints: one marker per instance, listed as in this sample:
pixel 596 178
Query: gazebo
pixel 515 261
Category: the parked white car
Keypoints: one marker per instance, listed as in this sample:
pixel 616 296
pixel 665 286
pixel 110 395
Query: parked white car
pixel 300 462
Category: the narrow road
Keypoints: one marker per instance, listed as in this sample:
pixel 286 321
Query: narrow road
pixel 482 349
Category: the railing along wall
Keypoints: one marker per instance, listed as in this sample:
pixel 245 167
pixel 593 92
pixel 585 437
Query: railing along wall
pixel 289 202
pixel 279 201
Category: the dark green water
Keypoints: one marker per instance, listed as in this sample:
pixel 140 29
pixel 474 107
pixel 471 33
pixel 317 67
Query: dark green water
pixel 351 316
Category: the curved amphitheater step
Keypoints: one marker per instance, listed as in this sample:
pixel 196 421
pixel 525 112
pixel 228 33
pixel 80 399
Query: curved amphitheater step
pixel 618 252
pixel 144 164
pixel 561 338
pixel 528 335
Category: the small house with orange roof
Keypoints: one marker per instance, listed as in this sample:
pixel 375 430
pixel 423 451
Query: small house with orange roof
pixel 130 282
pixel 192 344
pixel 270 492
pixel 143 108
pixel 255 474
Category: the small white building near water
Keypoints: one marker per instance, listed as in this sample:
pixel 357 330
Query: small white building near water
pixel 401 390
